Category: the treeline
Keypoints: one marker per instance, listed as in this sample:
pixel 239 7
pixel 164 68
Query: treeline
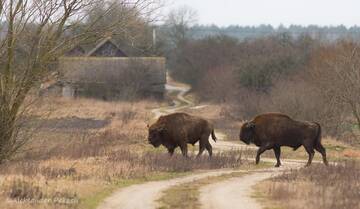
pixel 329 33
pixel 302 77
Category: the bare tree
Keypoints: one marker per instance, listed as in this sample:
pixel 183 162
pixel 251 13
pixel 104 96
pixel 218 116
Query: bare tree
pixel 34 34
pixel 134 24
pixel 178 23
pixel 336 70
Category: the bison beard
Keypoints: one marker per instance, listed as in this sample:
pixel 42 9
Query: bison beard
pixel 178 130
pixel 273 130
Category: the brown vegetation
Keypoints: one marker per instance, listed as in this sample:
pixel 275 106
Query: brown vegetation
pixel 104 145
pixel 333 187
pixel 295 76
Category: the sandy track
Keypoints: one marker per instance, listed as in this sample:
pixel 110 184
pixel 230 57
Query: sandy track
pixel 235 193
pixel 180 101
pixel 144 196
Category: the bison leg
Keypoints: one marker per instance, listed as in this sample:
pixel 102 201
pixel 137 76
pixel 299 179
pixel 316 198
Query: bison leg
pixel 322 150
pixel 201 148
pixel 171 151
pixel 184 150
pixel 209 148
pixel 311 153
pixel 277 152
pixel 261 150
pixel 204 143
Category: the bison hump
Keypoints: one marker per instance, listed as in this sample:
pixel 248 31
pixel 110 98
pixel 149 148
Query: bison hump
pixel 272 115
pixel 270 119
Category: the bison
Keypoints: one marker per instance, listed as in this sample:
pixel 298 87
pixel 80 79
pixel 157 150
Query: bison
pixel 273 130
pixel 178 130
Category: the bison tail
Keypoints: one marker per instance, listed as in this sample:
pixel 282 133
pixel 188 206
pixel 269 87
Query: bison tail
pixel 213 135
pixel 318 137
pixel 295 148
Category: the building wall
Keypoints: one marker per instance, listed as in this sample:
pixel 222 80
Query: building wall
pixel 68 91
pixel 94 75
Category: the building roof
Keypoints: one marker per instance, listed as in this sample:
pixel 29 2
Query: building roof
pixel 106 47
pixel 101 44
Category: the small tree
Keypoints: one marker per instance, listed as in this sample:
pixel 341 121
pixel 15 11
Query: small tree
pixel 34 33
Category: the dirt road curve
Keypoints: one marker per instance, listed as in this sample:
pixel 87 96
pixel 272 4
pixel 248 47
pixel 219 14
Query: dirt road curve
pixel 233 193
pixel 179 103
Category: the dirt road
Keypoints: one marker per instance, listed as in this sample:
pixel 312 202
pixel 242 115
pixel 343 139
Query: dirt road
pixel 179 102
pixel 144 196
pixel 227 194
pixel 235 193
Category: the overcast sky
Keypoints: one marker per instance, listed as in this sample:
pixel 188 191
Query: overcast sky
pixel 274 12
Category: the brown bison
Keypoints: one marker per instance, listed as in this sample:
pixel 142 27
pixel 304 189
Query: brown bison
pixel 273 130
pixel 178 130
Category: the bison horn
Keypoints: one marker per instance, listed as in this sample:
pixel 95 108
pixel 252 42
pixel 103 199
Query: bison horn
pixel 161 128
pixel 250 125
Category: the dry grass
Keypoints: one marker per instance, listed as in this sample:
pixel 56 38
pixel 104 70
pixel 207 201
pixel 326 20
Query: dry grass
pixel 316 187
pixel 85 147
pixel 90 108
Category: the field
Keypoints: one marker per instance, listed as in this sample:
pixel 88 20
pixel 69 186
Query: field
pixel 124 64
pixel 84 149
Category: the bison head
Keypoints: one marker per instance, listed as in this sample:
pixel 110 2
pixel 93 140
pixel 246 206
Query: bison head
pixel 247 132
pixel 155 136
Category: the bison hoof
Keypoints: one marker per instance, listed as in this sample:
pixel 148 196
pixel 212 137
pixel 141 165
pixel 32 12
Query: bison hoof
pixel 277 165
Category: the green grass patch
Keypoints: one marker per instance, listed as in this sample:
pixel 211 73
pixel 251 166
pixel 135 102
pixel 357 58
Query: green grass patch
pixel 187 195
pixel 335 147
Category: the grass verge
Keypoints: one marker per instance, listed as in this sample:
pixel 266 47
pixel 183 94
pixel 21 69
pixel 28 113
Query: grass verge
pixel 316 187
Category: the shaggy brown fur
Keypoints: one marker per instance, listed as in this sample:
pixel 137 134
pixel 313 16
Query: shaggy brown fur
pixel 178 130
pixel 273 130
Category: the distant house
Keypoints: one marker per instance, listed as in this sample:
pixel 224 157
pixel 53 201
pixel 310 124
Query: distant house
pixel 105 71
